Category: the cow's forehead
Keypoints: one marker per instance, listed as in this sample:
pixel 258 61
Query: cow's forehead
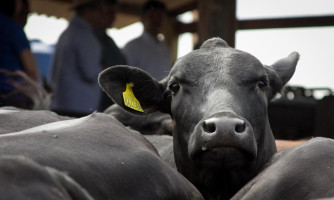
pixel 226 60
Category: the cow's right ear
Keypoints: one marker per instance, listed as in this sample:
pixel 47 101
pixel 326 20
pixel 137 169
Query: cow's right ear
pixel 133 89
pixel 281 72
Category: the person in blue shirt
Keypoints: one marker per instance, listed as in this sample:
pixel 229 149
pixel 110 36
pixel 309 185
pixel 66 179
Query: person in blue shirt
pixel 15 53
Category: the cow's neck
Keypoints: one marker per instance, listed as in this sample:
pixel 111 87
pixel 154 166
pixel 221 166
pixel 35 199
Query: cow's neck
pixel 221 184
pixel 216 184
pixel 267 147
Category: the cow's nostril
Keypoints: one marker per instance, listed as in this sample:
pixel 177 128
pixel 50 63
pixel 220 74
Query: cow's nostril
pixel 209 126
pixel 240 127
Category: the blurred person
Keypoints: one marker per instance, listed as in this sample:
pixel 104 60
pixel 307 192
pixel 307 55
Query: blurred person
pixel 148 51
pixel 21 16
pixel 77 62
pixel 111 54
pixel 15 53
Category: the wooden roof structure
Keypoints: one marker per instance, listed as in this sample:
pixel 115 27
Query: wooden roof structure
pixel 129 10
pixel 216 18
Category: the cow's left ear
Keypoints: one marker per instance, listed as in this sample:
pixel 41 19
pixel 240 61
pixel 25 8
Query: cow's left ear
pixel 281 72
pixel 132 88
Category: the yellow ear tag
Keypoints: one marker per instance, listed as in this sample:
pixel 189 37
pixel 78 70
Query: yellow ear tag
pixel 129 98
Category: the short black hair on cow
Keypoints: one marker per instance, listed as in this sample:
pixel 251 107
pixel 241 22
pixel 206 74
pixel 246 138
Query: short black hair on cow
pixel 153 4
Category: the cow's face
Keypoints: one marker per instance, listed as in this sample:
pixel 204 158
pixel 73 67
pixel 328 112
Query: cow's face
pixel 219 105
pixel 217 97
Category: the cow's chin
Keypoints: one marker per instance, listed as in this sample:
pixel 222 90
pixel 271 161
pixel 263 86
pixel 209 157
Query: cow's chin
pixel 223 158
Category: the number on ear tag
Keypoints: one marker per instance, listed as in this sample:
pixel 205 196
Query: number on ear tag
pixel 129 98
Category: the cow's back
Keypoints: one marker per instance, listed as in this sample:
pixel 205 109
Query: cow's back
pixel 22 178
pixel 14 119
pixel 103 156
pixel 164 145
pixel 303 172
pixel 155 123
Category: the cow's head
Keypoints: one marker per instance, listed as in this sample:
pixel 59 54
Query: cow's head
pixel 218 98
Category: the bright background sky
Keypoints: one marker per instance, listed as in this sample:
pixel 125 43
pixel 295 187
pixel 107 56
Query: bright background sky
pixel 315 45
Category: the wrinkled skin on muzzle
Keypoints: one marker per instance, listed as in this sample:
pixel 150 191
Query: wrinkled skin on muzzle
pixel 217 97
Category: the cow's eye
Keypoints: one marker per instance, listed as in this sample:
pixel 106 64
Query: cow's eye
pixel 261 84
pixel 174 87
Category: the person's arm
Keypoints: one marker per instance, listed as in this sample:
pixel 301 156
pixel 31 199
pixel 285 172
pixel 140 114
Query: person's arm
pixel 22 47
pixel 29 64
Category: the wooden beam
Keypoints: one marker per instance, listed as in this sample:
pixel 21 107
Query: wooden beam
pixel 286 22
pixel 129 9
pixel 185 27
pixel 171 36
pixel 185 8
pixel 217 19
pixel 132 9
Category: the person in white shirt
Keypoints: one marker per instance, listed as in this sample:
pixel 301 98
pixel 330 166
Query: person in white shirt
pixel 148 51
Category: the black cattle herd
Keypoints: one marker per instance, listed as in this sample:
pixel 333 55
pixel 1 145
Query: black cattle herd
pixel 222 147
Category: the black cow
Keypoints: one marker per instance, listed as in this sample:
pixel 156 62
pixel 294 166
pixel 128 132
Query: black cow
pixel 303 172
pixel 217 97
pixel 103 156
pixel 15 119
pixel 156 123
pixel 164 145
pixel 22 178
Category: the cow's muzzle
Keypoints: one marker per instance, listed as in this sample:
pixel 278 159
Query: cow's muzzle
pixel 223 139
